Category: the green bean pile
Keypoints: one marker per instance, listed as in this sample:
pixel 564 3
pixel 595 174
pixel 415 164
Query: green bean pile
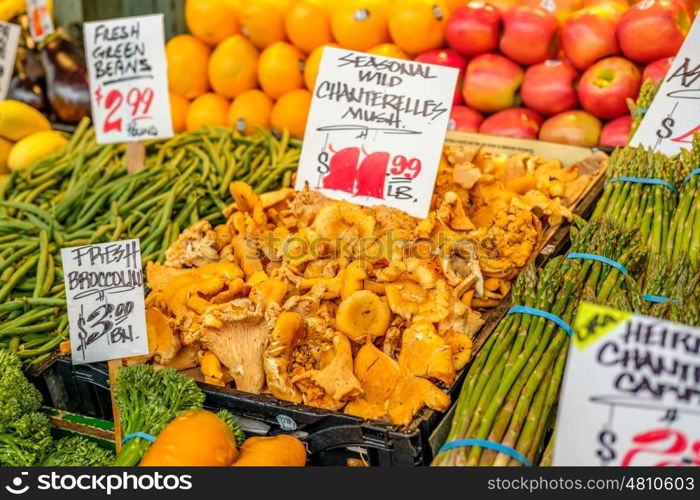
pixel 84 195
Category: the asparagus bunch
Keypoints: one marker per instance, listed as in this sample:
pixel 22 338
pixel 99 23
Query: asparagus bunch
pixel 669 279
pixel 684 233
pixel 687 311
pixel 638 108
pixel 646 207
pixel 508 391
pixel 511 388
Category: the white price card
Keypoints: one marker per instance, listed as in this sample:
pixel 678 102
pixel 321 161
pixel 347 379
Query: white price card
pixel 128 83
pixel 375 130
pixel 9 39
pixel 674 114
pixel 631 392
pixel 40 22
pixel 104 293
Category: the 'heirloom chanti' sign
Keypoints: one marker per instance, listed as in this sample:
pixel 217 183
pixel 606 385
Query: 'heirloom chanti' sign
pixel 104 293
pixel 128 84
pixel 375 130
pixel 631 392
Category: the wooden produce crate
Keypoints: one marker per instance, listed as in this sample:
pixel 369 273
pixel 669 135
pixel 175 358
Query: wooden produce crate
pixel 66 424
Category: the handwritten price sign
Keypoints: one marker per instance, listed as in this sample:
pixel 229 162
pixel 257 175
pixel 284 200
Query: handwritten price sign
pixel 40 22
pixel 674 114
pixel 631 392
pixel 9 39
pixel 104 292
pixel 375 130
pixel 128 84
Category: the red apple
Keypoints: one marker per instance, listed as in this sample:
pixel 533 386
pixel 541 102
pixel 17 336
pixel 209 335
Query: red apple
pixel 515 122
pixel 446 57
pixel 589 35
pixel 560 8
pixel 572 127
pixel 504 5
pixel 549 87
pixel 657 70
pixel 529 35
pixel 616 133
pixel 464 119
pixel 605 87
pixel 491 83
pixel 473 29
pixel 690 6
pixel 622 5
pixel 652 29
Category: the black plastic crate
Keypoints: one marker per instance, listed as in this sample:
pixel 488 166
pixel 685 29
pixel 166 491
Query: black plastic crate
pixel 86 389
pixel 332 438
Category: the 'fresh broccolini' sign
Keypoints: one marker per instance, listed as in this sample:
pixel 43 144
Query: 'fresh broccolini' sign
pixel 104 292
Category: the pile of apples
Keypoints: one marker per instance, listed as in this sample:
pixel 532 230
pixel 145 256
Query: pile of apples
pixel 527 73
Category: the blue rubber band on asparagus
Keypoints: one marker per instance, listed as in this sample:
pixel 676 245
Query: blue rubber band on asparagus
pixel 644 180
pixel 542 314
pixel 491 445
pixel 142 435
pixel 641 111
pixel 691 174
pixel 599 258
pixel 658 300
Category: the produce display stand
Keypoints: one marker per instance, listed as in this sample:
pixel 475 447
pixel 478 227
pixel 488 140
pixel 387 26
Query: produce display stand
pixel 334 437
pixel 235 90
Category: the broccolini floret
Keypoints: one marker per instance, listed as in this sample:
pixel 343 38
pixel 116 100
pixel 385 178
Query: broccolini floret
pixel 25 434
pixel 147 402
pixel 77 452
pixel 25 440
pixel 17 395
pixel 230 420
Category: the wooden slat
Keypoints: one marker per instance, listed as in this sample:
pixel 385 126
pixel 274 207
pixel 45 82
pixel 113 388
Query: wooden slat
pixel 96 9
pixel 68 11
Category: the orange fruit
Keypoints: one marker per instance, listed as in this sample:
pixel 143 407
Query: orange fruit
pixel 291 112
pixel 212 21
pixel 233 67
pixel 262 21
pixel 280 69
pixel 308 25
pixel 360 24
pixel 207 109
pixel 453 5
pixel 250 110
pixel 388 50
pixel 312 64
pixel 418 25
pixel 178 111
pixel 188 59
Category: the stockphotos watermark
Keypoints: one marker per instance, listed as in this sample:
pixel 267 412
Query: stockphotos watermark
pixel 99 483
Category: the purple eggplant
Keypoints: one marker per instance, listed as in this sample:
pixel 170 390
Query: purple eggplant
pixel 66 79
pixel 22 89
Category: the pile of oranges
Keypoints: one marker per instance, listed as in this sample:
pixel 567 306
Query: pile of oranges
pixel 253 63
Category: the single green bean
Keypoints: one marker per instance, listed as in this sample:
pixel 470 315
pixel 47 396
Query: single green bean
pixel 17 276
pixel 50 276
pixel 42 263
